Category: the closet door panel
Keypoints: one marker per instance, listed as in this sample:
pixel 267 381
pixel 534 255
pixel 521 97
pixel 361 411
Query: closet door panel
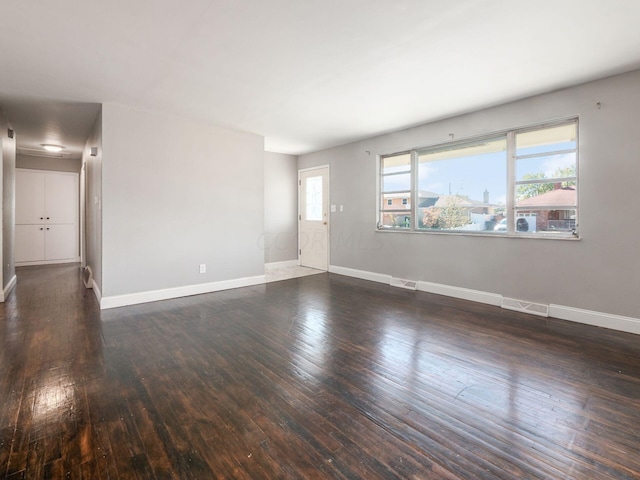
pixel 29 246
pixel 29 197
pixel 61 201
pixel 60 242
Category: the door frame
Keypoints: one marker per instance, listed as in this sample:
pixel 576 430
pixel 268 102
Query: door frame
pixel 301 170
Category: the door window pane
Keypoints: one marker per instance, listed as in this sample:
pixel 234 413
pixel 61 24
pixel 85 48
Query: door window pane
pixel 314 199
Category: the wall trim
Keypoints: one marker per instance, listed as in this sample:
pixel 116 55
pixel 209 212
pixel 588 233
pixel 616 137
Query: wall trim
pixel 597 319
pixel 47 262
pixel 96 291
pixel 572 314
pixel 7 289
pixel 177 292
pixel 462 293
pixel 362 274
pixel 283 264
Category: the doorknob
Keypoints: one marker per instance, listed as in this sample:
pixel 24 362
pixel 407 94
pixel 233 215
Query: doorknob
pixel 324 223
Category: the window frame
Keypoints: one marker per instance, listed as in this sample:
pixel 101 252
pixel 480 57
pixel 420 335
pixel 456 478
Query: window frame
pixel 511 183
pixel 381 191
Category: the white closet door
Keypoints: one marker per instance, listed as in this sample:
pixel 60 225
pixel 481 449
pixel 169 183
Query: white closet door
pixel 29 246
pixel 61 198
pixel 47 205
pixel 61 242
pixel 29 197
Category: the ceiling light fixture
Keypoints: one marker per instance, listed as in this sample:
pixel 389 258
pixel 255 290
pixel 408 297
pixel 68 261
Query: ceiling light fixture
pixel 52 148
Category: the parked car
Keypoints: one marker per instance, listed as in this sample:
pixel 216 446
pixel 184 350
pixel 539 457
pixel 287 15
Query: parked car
pixel 501 226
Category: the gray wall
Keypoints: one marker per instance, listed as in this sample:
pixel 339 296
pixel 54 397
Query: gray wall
pixel 280 207
pixel 178 193
pixel 8 200
pixel 93 201
pixel 601 272
pixel 48 163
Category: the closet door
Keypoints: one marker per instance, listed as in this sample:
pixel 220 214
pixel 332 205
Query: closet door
pixel 29 246
pixel 60 242
pixel 47 205
pixel 61 198
pixel 29 197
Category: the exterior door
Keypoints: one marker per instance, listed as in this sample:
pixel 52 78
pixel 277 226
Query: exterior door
pixel 313 238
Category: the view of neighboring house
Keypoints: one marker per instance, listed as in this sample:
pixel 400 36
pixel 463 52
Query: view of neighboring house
pixel 554 210
pixel 461 212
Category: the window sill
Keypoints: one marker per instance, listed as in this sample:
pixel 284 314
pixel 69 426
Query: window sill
pixel 539 236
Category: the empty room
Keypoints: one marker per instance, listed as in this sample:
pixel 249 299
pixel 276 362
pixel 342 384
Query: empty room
pixel 320 240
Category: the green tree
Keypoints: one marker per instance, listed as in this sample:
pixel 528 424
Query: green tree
pixel 452 213
pixel 535 189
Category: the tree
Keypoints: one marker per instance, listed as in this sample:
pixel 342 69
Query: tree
pixel 452 213
pixel 449 216
pixel 430 217
pixel 535 189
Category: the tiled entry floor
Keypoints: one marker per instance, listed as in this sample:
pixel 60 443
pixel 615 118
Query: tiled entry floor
pixel 275 273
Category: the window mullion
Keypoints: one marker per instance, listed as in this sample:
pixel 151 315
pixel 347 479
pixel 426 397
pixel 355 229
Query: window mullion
pixel 511 182
pixel 414 190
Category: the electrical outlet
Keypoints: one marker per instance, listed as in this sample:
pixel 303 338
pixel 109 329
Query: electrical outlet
pixel 203 268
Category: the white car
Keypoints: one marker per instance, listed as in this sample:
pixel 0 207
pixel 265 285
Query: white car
pixel 501 226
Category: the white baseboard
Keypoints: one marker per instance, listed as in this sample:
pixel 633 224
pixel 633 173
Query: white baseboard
pixel 283 264
pixel 598 319
pixel 96 291
pixel 362 274
pixel 177 292
pixel 7 289
pixel 462 293
pixel 47 262
pixel 588 317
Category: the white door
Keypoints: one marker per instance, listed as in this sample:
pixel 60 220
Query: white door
pixel 29 246
pixel 313 237
pixel 46 217
pixel 29 197
pixel 60 242
pixel 61 198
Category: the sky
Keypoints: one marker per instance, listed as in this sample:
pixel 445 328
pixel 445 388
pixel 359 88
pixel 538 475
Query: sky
pixel 472 175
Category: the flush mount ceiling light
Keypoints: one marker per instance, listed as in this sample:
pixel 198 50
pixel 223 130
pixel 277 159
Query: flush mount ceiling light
pixel 52 148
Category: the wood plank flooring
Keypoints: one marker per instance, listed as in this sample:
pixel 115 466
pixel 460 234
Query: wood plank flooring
pixel 317 377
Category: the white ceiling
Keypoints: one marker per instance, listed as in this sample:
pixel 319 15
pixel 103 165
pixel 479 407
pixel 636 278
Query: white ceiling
pixel 305 74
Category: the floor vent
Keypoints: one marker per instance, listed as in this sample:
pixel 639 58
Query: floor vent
pixel 87 277
pixel 526 307
pixel 408 284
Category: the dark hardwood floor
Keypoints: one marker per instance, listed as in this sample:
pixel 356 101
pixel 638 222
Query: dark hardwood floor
pixel 317 377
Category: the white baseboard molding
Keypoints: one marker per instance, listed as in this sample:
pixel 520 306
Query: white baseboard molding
pixel 362 274
pixel 598 319
pixel 96 291
pixel 177 292
pixel 588 317
pixel 7 289
pixel 283 264
pixel 462 293
pixel 47 262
